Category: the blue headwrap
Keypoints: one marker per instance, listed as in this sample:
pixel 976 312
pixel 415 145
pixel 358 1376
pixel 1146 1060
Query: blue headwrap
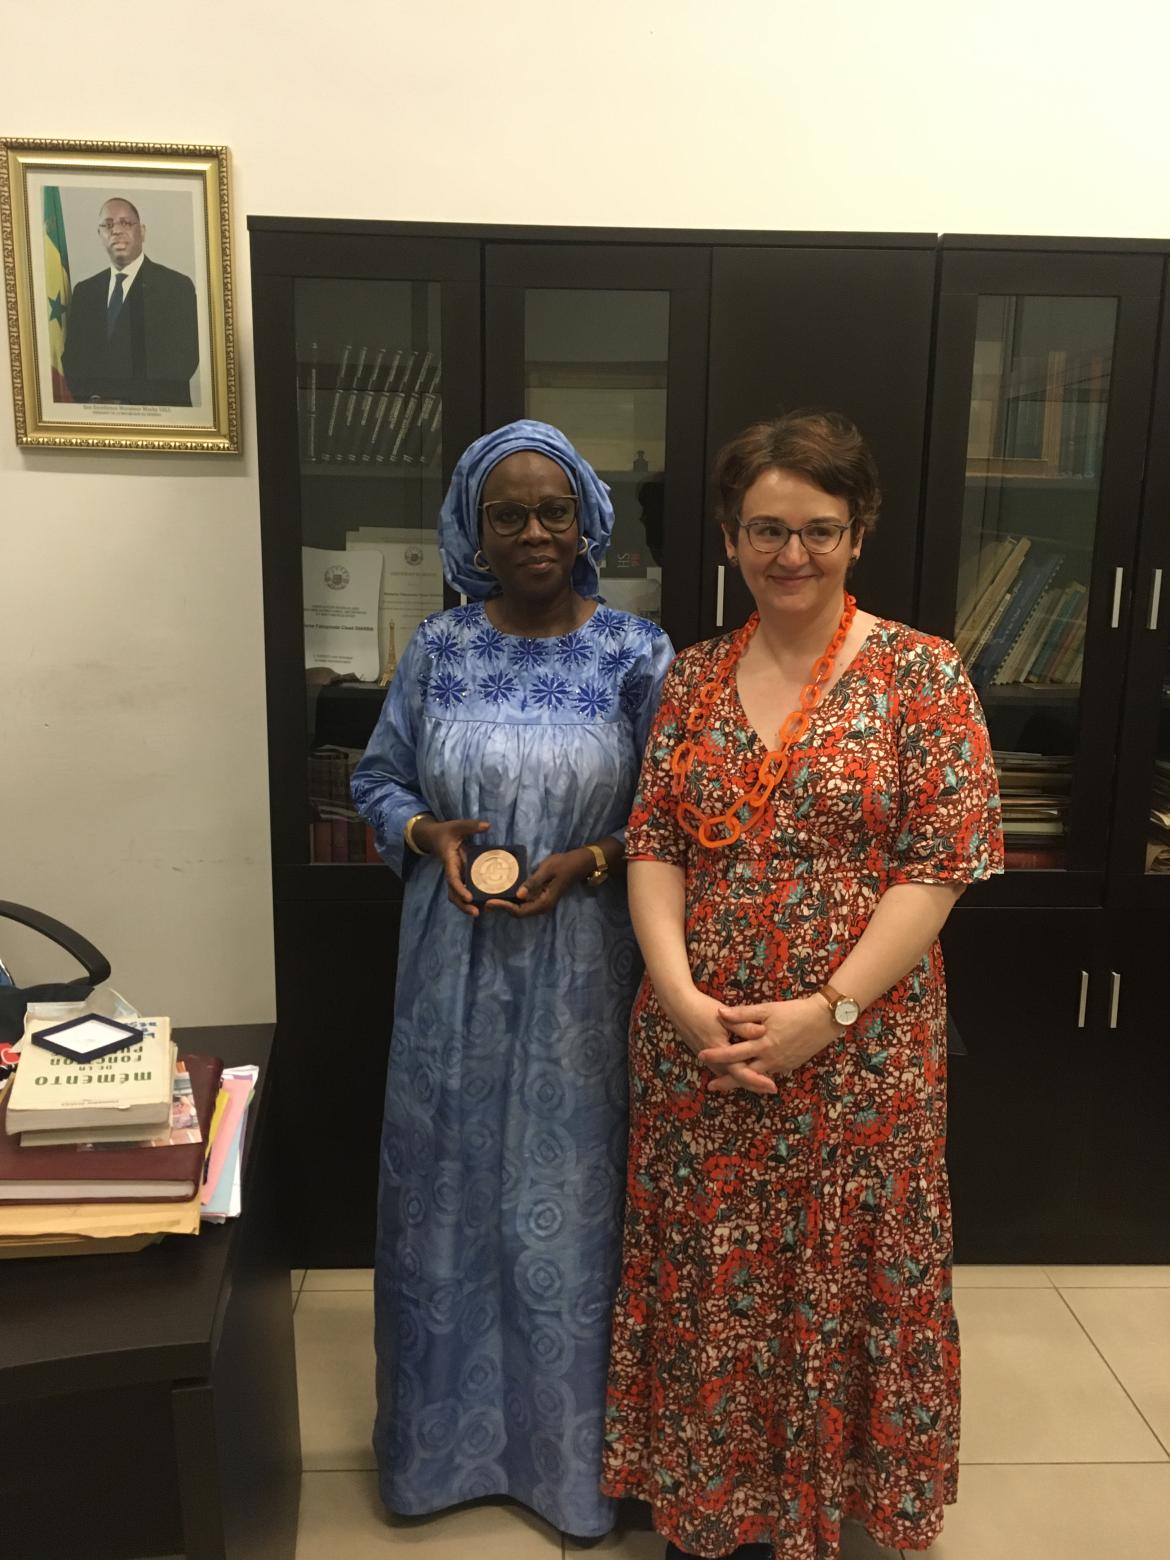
pixel 459 516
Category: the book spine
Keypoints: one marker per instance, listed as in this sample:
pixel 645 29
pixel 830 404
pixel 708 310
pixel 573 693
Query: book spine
pixel 381 405
pixel 322 841
pixel 394 411
pixel 409 412
pixel 335 407
pixel 1034 579
pixel 310 445
pixel 365 400
pixel 426 410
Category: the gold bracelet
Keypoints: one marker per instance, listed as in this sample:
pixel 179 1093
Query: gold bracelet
pixel 408 833
pixel 601 870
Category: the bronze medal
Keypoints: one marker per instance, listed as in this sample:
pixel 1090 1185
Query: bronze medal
pixel 494 872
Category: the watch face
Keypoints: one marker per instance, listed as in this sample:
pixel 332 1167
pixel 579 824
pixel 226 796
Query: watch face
pixel 847 1011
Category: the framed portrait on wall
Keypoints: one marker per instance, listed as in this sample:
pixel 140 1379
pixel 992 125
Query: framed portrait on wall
pixel 117 269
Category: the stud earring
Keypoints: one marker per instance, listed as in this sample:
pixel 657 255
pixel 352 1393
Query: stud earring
pixel 733 560
pixel 479 561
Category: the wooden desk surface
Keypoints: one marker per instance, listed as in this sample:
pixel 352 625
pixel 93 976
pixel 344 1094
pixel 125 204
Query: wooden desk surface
pixel 72 1324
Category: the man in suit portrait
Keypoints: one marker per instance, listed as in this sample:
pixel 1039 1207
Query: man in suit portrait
pixel 131 332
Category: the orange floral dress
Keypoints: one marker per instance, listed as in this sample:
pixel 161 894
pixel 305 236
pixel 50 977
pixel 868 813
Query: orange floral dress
pixel 785 1352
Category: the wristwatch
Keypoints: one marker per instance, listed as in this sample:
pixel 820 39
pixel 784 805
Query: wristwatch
pixel 601 871
pixel 844 1010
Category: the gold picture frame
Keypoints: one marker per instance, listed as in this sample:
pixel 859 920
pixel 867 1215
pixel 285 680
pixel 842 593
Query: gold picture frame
pixel 143 360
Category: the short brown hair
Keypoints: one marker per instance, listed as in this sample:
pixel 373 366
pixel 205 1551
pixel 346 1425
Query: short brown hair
pixel 823 447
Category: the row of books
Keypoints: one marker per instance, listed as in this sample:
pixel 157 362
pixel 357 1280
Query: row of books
pixel 1015 623
pixel 1046 416
pixel 1160 802
pixel 113 1153
pixel 1035 791
pixel 371 406
pixel 336 833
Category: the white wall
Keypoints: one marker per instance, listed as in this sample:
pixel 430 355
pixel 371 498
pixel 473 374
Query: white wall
pixel 132 749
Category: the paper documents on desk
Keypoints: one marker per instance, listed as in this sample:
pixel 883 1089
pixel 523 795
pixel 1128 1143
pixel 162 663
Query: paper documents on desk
pixel 222 1180
pixel 99 1219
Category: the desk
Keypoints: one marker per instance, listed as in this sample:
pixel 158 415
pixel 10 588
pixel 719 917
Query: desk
pixel 148 1400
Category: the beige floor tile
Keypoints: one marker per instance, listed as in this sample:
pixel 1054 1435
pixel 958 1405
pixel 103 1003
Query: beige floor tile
pixel 342 1519
pixel 1035 1390
pixel 339 1278
pixel 1144 1277
pixel 985 1275
pixel 335 1378
pixel 297 1278
pixel 1131 1327
pixel 1102 1512
pixel 856 1544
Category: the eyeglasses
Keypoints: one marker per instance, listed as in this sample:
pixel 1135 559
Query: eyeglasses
pixel 771 536
pixel 119 225
pixel 507 517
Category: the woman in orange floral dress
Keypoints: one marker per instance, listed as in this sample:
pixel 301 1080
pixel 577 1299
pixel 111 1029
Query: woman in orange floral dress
pixel 785 1353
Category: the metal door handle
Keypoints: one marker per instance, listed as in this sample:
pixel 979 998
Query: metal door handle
pixel 1155 599
pixel 1118 580
pixel 1084 1002
pixel 1114 997
pixel 719 588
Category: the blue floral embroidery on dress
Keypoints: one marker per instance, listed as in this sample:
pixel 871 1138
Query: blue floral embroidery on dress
pixel 634 693
pixel 498 687
pixel 487 643
pixel 614 662
pixel 573 650
pixel 443 644
pixel 527 653
pixel 606 621
pixel 466 614
pixel 548 691
pixel 645 629
pixel 593 699
pixel 448 689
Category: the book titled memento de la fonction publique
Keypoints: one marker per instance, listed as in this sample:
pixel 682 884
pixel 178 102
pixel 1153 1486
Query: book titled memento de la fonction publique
pixel 127 1088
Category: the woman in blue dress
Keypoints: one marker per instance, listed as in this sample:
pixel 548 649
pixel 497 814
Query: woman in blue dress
pixel 522 717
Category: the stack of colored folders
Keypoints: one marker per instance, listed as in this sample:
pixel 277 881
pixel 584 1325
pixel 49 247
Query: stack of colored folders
pixel 220 1196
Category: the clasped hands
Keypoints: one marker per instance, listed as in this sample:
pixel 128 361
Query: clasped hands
pixel 537 895
pixel 748 1047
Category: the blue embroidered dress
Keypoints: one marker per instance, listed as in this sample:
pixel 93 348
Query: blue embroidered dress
pixel 503 1152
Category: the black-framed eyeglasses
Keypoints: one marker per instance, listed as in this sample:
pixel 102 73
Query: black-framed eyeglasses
pixel 118 225
pixel 772 536
pixel 508 517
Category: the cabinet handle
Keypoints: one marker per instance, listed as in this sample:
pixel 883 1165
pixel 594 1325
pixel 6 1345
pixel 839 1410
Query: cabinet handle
pixel 1118 580
pixel 1155 599
pixel 1084 1002
pixel 720 583
pixel 1114 997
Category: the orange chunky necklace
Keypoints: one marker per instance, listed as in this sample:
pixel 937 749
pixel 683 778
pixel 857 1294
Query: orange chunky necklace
pixel 725 827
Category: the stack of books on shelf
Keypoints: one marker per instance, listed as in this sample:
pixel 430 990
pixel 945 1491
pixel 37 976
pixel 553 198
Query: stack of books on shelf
pixel 336 832
pixel 369 406
pixel 1044 417
pixel 1160 802
pixel 94 1152
pixel 1035 790
pixel 1016 623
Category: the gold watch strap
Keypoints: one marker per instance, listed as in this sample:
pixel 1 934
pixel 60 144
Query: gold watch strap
pixel 601 870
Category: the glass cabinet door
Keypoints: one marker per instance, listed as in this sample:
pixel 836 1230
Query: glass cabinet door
pixel 370 435
pixel 1042 388
pixel 609 345
pixel 1157 857
pixel 1031 506
pixel 595 366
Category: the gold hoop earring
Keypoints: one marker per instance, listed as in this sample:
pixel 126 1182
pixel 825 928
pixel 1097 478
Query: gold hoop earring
pixel 582 546
pixel 484 567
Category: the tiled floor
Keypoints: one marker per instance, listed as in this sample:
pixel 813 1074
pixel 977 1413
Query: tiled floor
pixel 1066 1429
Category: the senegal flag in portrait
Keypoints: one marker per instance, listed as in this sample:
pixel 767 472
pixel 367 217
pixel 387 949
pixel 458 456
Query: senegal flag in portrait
pixel 57 289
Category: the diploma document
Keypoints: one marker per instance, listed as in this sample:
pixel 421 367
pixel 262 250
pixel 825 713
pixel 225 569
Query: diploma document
pixel 412 584
pixel 341 592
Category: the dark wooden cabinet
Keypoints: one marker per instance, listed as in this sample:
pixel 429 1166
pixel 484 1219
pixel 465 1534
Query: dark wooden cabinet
pixel 845 326
pixel 1015 390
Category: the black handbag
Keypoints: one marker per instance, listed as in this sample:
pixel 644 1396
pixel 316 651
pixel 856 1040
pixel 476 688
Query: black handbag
pixel 15 999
